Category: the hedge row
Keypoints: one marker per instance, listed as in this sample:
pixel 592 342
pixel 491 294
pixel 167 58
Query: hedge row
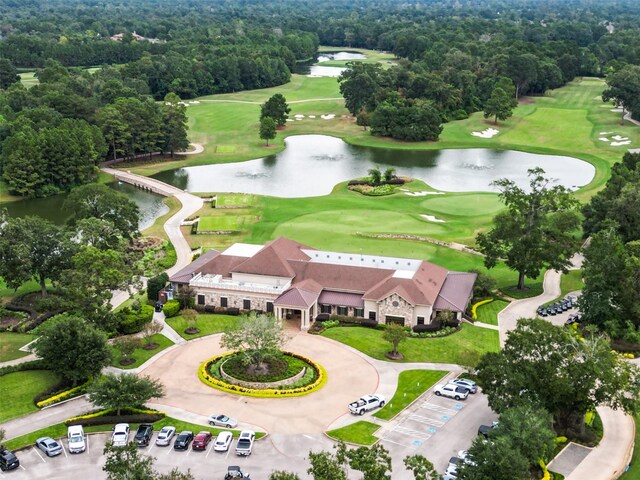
pixel 171 308
pixel 106 417
pixel 206 378
pixel 221 310
pixel 22 367
pixel 133 321
pixel 64 395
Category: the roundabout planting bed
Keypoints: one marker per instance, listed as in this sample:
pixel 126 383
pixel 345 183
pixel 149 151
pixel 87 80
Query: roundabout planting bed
pixel 223 372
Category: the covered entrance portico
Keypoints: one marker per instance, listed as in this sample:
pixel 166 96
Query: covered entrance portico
pixel 295 314
pixel 298 301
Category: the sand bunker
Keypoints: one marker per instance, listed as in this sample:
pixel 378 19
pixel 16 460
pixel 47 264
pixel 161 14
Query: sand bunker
pixel 615 140
pixel 431 218
pixel 329 116
pixel 312 116
pixel 299 115
pixel 423 193
pixel 488 133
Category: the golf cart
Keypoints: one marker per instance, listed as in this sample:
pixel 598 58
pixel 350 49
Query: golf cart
pixel 235 472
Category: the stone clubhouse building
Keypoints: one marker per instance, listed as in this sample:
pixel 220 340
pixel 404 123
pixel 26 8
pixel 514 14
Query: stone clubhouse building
pixel 296 282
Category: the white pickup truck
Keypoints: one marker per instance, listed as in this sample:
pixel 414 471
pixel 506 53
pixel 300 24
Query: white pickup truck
pixel 366 403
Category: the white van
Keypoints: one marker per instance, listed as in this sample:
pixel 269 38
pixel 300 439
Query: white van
pixel 76 438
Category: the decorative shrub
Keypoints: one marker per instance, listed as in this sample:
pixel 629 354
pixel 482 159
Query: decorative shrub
pixel 475 306
pixel 22 367
pixel 171 308
pixel 106 417
pixel 330 324
pixel 133 321
pixel 443 332
pixel 206 378
pixel 429 327
pixel 322 317
pixel 67 394
pixel 545 472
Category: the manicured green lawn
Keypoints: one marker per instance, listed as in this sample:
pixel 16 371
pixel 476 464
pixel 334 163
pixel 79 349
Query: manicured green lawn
pixel 571 282
pixel 488 313
pixel 207 323
pixel 140 354
pixel 634 465
pixel 360 432
pixel 218 222
pixel 411 384
pixel 20 388
pixel 10 343
pixel 458 348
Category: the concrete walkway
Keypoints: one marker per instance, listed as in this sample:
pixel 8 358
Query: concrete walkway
pixel 46 417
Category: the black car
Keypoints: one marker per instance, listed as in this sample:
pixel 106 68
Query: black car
pixel 183 440
pixel 143 435
pixel 543 312
pixel 8 461
pixel 158 306
pixel 235 472
pixel 484 430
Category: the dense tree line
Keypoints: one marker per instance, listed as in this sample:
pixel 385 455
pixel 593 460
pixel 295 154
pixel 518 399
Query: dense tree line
pixel 612 258
pixel 55 134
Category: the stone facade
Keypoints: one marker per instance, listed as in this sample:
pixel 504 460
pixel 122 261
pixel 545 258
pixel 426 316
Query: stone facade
pixel 236 299
pixel 262 385
pixel 395 305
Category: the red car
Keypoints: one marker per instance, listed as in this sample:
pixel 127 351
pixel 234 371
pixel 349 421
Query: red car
pixel 201 441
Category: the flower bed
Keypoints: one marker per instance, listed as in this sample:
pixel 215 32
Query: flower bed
pixel 127 415
pixel 67 394
pixel 319 373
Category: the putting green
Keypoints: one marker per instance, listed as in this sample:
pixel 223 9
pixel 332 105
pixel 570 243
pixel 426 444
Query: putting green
pixel 470 204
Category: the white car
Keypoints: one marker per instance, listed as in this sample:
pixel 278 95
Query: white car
pixel 120 436
pixel 223 441
pixel 366 403
pixel 245 443
pixel 222 421
pixel 75 437
pixel 451 390
pixel 165 435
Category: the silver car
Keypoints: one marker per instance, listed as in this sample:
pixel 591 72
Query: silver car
pixel 165 435
pixel 223 421
pixel 49 446
pixel 466 383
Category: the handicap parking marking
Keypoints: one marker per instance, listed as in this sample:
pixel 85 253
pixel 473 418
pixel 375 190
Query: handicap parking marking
pixel 426 420
pixel 458 406
pixel 411 432
pixel 432 430
pixel 440 409
pixel 417 443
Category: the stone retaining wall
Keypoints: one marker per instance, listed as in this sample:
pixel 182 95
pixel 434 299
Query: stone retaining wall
pixel 262 385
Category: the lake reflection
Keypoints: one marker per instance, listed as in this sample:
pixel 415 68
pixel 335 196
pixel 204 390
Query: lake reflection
pixel 311 165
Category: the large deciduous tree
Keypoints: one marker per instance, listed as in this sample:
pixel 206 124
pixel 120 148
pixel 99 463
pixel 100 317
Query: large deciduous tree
pixel 8 74
pixel 124 391
pixel 544 365
pixel 421 468
pixel 499 105
pixel 623 87
pixel 276 108
pixel 100 201
pixel 494 460
pixel 535 230
pixel 124 463
pixel 32 248
pixel 257 338
pixel 73 348
pixel 359 86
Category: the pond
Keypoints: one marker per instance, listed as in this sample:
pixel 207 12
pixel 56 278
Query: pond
pixel 314 70
pixel 311 165
pixel 151 206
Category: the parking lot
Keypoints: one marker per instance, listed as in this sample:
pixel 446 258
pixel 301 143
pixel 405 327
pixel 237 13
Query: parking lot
pixel 436 427
pixel 281 452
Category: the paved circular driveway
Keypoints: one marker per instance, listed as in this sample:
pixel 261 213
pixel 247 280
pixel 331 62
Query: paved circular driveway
pixel 349 377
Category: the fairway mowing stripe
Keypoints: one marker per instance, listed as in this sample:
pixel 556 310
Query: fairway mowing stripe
pixel 426 420
pixel 439 409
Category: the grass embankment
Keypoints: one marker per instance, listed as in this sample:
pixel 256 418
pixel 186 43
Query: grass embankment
pixel 219 223
pixel 463 347
pixel 411 384
pixel 157 229
pixel 20 388
pixel 571 282
pixel 141 354
pixel 634 464
pixel 10 344
pixel 488 313
pixel 59 430
pixel 360 433
pixel 207 323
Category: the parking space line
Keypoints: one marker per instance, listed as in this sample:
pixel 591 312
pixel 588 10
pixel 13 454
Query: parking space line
pixel 22 467
pixel 411 432
pixel 151 448
pixel 86 442
pixel 228 450
pixel 208 452
pixel 439 409
pixel 426 420
pixel 169 450
pixel 64 450
pixel 384 439
pixel 41 457
pixel 189 451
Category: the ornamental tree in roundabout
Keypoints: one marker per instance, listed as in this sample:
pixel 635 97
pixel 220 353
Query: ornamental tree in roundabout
pixel 257 365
